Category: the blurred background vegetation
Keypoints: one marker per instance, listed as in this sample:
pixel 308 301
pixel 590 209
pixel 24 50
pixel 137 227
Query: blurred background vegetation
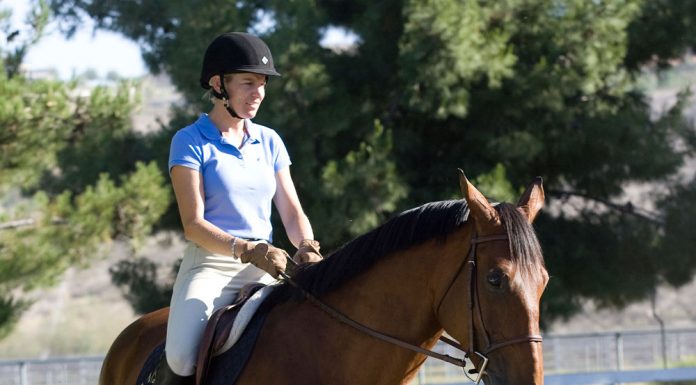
pixel 506 90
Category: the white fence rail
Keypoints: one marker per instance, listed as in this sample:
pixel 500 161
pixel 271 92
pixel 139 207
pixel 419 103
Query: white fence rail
pixel 53 371
pixel 620 351
pixel 579 359
pixel 597 359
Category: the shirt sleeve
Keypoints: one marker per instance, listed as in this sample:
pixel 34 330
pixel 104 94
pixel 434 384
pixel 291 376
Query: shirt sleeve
pixel 281 158
pixel 184 152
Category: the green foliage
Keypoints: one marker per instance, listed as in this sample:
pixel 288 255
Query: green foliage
pixel 10 309
pixel 370 172
pixel 677 242
pixel 496 185
pixel 19 40
pixel 436 49
pixel 25 130
pixel 72 178
pixel 653 31
pixel 505 90
pixel 138 279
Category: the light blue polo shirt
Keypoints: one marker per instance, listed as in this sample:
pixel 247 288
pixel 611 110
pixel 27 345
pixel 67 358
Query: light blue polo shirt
pixel 239 185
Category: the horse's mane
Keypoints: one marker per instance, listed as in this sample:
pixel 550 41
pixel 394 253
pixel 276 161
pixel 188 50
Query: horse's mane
pixel 411 227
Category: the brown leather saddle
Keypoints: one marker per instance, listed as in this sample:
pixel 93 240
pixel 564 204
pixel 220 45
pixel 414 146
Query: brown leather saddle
pixel 218 330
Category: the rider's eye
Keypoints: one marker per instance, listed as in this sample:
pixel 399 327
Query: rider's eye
pixel 495 278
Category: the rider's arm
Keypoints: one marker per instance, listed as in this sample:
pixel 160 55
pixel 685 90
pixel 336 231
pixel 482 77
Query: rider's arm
pixel 188 189
pixel 295 221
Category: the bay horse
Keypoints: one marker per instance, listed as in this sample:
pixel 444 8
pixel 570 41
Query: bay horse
pixel 467 267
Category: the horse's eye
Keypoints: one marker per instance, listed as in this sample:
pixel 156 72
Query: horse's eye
pixel 495 278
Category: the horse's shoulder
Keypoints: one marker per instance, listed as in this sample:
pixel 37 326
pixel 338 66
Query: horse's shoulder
pixel 157 317
pixel 151 326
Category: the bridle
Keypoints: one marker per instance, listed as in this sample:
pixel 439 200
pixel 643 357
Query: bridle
pixel 474 307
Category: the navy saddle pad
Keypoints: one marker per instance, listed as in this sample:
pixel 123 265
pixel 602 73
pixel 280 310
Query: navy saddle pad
pixel 225 368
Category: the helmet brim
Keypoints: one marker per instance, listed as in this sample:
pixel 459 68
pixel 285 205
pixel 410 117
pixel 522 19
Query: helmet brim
pixel 261 71
pixel 206 84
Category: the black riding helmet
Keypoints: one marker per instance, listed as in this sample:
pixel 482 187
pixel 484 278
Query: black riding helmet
pixel 235 52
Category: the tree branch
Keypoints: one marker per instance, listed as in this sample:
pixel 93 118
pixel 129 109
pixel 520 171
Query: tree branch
pixel 27 222
pixel 627 208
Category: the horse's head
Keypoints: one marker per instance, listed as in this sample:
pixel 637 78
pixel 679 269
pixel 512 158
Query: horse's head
pixel 492 304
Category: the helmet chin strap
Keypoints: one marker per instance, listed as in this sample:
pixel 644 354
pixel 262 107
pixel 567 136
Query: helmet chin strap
pixel 225 98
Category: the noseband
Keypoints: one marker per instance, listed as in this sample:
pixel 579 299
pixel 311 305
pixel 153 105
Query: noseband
pixel 474 305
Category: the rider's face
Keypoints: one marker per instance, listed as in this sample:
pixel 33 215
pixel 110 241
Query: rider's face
pixel 246 91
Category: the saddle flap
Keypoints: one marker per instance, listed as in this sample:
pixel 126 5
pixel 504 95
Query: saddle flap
pixel 218 329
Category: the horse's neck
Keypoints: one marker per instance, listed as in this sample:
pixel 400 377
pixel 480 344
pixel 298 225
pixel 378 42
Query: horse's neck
pixel 397 297
pixel 407 285
pixel 395 289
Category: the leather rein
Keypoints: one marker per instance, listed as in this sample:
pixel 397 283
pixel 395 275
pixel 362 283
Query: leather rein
pixel 473 305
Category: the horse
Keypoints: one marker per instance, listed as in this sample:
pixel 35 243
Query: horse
pixel 466 267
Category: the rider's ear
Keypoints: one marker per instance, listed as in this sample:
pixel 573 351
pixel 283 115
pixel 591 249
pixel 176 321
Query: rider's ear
pixel 214 82
pixel 532 200
pixel 482 211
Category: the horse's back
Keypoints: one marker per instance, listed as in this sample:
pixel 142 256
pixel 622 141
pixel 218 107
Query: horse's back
pixel 131 348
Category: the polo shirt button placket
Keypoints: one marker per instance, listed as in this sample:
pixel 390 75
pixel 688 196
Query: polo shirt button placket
pixel 239 155
pixel 242 163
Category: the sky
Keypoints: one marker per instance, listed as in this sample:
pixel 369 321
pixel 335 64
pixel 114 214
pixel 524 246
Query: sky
pixel 101 51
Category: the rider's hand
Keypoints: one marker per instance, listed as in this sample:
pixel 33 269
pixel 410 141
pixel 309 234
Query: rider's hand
pixel 266 257
pixel 308 252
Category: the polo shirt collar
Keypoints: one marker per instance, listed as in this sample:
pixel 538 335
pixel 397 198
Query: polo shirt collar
pixel 253 130
pixel 208 129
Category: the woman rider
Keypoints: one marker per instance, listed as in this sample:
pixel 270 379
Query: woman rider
pixel 226 170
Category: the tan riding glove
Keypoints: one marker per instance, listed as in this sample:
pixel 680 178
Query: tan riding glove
pixel 266 257
pixel 308 252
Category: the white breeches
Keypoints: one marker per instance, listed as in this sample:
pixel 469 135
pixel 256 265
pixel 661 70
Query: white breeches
pixel 205 283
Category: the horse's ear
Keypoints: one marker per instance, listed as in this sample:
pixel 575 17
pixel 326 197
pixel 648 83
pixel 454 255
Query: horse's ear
pixel 481 210
pixel 532 200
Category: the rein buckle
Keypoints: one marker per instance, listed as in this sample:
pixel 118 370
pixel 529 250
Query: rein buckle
pixel 481 371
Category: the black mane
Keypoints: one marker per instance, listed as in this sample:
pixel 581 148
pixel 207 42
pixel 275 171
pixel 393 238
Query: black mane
pixel 412 227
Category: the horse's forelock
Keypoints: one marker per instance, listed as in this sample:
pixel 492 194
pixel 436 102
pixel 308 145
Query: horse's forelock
pixel 524 246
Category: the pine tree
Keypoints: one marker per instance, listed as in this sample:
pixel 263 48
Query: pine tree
pixel 506 90
pixel 71 180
